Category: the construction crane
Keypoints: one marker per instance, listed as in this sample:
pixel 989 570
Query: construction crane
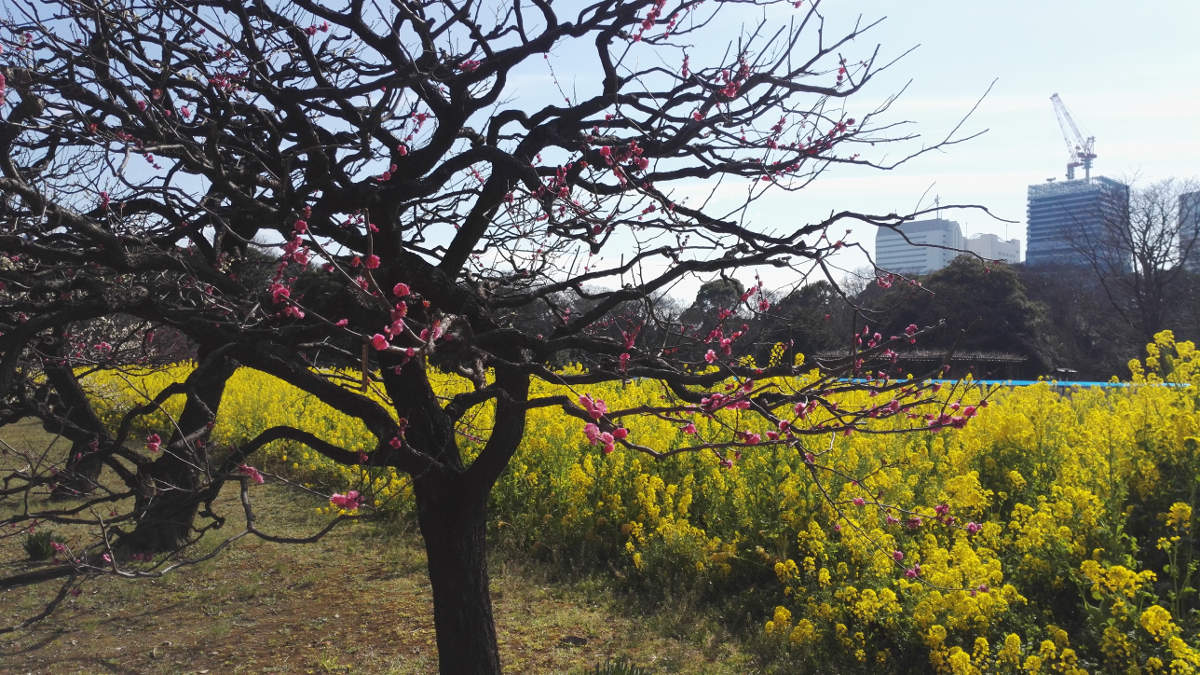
pixel 1082 150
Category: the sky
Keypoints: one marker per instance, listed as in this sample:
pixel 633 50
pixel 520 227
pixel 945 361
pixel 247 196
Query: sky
pixel 1129 72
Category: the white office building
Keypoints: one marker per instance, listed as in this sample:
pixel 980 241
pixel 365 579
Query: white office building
pixel 993 247
pixel 924 246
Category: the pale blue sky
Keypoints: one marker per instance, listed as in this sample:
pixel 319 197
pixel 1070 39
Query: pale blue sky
pixel 1128 71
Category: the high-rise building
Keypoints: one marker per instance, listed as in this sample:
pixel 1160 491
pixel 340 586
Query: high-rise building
pixel 921 252
pixel 1189 230
pixel 1078 222
pixel 994 248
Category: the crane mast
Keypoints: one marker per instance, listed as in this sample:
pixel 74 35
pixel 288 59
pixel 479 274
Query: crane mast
pixel 1081 150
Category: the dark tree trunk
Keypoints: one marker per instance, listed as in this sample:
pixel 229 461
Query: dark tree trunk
pixel 80 425
pixel 167 502
pixel 172 487
pixel 81 472
pixel 453 526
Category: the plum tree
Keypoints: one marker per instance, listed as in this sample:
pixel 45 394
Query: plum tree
pixel 392 184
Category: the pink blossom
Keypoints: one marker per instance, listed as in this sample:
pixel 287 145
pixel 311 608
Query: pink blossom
pixel 347 502
pixel 897 555
pixel 689 428
pixel 279 292
pixel 372 262
pixel 341 323
pixel 595 408
pixel 379 342
pixel 253 473
pixel 913 572
pixel 592 432
pixel 620 433
pixel 911 330
pixel 859 501
pixel 401 290
pixel 710 356
pixel 301 226
pixel 973 527
pixel 153 442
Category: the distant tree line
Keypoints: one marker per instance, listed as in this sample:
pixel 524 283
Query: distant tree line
pixel 1061 322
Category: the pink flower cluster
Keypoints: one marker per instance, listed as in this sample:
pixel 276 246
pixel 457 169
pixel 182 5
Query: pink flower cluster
pixel 153 442
pixel 594 407
pixel 607 439
pixel 252 473
pixel 350 501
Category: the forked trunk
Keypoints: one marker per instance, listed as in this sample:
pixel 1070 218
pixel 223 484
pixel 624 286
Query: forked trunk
pixel 172 487
pixel 453 527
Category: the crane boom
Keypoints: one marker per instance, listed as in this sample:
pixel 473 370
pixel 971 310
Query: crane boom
pixel 1082 150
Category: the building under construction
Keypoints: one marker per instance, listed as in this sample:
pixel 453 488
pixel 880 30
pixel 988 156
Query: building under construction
pixel 1078 222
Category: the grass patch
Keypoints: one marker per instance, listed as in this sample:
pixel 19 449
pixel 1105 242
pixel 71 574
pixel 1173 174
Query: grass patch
pixel 357 601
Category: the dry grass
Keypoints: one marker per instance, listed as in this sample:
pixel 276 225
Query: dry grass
pixel 357 601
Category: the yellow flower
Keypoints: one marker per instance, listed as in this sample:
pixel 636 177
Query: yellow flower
pixel 1156 621
pixel 804 633
pixel 1179 516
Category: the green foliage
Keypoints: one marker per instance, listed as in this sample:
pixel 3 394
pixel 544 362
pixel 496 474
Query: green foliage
pixel 984 305
pixel 39 545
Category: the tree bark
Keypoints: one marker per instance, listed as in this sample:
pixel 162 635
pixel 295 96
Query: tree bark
pixel 81 469
pixel 171 487
pixel 453 526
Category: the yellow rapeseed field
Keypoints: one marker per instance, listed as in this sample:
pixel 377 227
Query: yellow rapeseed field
pixel 1056 532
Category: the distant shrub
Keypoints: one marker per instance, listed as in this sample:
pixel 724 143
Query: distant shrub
pixel 39 545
